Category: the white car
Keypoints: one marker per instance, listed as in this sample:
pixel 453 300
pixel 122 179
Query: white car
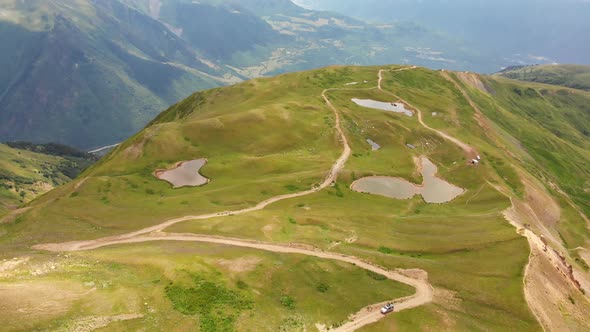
pixel 387 308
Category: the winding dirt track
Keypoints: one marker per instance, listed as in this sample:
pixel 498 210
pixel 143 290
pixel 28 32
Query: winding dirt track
pixel 470 152
pixel 367 315
pixel 330 178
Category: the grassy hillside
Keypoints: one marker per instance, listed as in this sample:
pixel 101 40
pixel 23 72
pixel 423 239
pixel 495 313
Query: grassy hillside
pixel 90 74
pixel 275 136
pixel 28 171
pixel 572 76
pixel 552 127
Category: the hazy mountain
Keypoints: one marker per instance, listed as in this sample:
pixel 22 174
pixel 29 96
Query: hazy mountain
pixel 572 76
pixel 217 29
pixel 88 73
pixel 264 36
pixel 516 32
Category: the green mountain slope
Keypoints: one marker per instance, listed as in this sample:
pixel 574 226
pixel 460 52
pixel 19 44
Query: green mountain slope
pixel 282 141
pixel 572 76
pixel 89 74
pixel 552 125
pixel 28 171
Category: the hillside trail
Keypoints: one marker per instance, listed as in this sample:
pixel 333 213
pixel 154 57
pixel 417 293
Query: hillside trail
pixel 103 148
pixel 367 315
pixel 470 152
pixel 329 179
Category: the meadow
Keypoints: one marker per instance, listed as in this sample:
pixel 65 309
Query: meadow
pixel 274 136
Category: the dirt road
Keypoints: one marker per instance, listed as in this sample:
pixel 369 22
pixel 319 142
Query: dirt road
pixel 470 152
pixel 330 178
pixel 104 148
pixel 368 315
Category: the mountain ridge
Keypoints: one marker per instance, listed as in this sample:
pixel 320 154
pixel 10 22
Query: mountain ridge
pixel 280 189
pixel 91 74
pixel 572 76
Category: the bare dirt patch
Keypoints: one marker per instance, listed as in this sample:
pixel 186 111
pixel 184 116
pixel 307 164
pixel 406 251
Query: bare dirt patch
pixel 13 215
pixel 242 264
pixel 448 299
pixel 352 238
pixel 136 149
pixel 417 274
pixel 42 187
pixel 9 265
pixel 543 205
pixel 269 229
pixel 585 254
pixel 38 301
pixel 552 286
pixel 550 296
pixel 89 324
pixel 473 81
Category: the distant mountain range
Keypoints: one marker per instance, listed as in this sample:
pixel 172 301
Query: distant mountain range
pixel 571 76
pixel 90 73
pixel 526 31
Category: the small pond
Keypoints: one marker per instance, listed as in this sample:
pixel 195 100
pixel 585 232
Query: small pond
pixel 185 173
pixel 390 107
pixel 433 189
pixel 374 146
pixel 386 186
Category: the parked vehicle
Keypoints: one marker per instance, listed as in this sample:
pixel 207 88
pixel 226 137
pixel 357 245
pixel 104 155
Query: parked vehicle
pixel 387 308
